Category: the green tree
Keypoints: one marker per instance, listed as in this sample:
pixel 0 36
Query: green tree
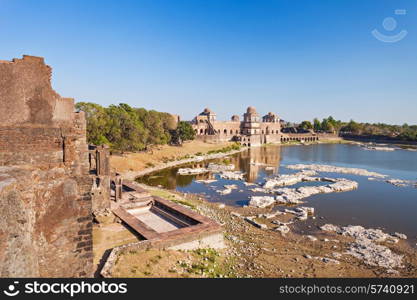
pixel 327 126
pixel 306 125
pixel 184 132
pixel 316 124
pixel 126 128
pixel 353 127
pixel 97 122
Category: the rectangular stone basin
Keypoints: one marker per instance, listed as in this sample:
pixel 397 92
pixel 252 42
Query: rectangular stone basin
pixel 160 220
pixel 155 220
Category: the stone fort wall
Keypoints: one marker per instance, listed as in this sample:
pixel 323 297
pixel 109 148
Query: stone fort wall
pixel 45 187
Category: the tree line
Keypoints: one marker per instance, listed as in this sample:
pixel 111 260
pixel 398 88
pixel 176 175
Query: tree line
pixel 126 128
pixel 402 132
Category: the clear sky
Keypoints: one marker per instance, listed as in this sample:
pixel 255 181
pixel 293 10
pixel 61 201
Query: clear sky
pixel 300 59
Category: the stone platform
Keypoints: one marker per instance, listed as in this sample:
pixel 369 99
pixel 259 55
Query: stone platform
pixel 162 223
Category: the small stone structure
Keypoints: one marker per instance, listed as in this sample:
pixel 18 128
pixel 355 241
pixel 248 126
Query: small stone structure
pixel 118 188
pixel 99 161
pixel 251 131
pixel 162 223
pixel 45 185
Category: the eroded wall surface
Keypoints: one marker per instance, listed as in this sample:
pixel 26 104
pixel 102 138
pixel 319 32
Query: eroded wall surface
pixel 45 187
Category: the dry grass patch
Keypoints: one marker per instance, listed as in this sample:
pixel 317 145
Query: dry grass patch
pixel 109 236
pixel 170 264
pixel 160 154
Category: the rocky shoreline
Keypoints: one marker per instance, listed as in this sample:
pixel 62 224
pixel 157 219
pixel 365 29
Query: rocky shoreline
pixel 367 246
pixel 261 243
pixel 131 175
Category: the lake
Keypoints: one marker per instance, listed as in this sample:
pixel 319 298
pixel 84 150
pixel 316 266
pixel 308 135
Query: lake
pixel 375 204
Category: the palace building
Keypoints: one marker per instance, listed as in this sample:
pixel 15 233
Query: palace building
pixel 251 131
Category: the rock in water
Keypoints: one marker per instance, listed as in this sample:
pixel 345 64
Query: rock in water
pixel 334 169
pixel 206 181
pixel 191 171
pixel 400 235
pixel 261 201
pixel 219 168
pixel 290 179
pixel 231 186
pixel 233 175
pixel 399 182
pixel 224 192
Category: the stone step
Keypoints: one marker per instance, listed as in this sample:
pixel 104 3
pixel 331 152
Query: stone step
pixel 134 197
pixel 138 210
pixel 137 204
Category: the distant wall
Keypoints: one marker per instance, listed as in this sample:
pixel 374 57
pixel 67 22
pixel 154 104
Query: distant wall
pixel 45 186
pixel 329 136
pixel 213 138
pixel 377 139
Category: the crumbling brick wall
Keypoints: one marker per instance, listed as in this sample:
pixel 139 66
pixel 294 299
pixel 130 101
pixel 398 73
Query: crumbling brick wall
pixel 99 161
pixel 45 187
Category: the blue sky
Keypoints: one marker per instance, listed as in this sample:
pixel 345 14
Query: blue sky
pixel 300 59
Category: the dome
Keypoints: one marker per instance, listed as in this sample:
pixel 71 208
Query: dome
pixel 207 111
pixel 251 110
pixel 235 118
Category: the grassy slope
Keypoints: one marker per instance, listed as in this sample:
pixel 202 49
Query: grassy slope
pixel 160 154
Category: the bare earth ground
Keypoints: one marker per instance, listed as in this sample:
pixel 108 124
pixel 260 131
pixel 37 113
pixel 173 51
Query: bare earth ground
pixel 254 252
pixel 108 236
pixel 159 154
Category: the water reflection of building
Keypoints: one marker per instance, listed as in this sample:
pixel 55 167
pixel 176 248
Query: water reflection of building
pixel 257 158
pixel 183 181
pixel 251 162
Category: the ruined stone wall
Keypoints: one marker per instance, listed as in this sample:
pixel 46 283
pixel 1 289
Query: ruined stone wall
pixel 214 139
pixel 45 187
pixel 228 128
pixel 99 160
pixel 271 128
pixel 225 130
pixel 300 137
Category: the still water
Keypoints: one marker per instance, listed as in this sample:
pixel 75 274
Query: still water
pixel 374 204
